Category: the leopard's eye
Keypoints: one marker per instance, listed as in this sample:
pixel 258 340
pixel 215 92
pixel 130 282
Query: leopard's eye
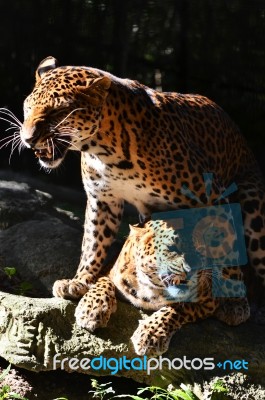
pixel 56 110
pixel 55 113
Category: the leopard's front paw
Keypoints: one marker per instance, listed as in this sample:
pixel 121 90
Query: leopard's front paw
pixel 151 337
pixel 69 288
pixel 97 305
pixel 233 311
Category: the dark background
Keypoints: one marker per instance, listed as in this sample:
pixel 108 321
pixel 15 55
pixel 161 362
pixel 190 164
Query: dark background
pixel 215 48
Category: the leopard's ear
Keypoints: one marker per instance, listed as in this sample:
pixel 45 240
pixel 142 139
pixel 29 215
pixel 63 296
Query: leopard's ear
pixel 136 230
pixel 95 92
pixel 46 65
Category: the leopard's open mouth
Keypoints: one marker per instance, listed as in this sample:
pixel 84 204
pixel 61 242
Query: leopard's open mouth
pixel 44 153
pixel 170 279
pixel 51 150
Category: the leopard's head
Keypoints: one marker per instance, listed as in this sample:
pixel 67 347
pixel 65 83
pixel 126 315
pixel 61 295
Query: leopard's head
pixel 63 111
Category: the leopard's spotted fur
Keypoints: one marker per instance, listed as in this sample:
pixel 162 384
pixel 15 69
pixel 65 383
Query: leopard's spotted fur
pixel 140 146
pixel 147 270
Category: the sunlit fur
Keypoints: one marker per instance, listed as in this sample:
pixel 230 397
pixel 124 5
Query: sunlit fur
pixel 65 135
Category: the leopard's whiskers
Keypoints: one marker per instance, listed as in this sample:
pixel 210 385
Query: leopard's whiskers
pixel 16 142
pixel 8 139
pixel 14 139
pixel 53 148
pixel 13 119
pixel 67 116
pixel 67 142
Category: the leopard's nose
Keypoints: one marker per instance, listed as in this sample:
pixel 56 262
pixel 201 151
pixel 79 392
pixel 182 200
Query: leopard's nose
pixel 28 136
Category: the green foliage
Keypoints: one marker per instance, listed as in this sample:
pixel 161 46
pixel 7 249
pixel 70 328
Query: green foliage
pixel 61 398
pixel 5 391
pixel 168 394
pixel 101 389
pixel 104 391
pixel 5 373
pixel 10 271
pixel 219 391
pixel 21 288
pixel 183 393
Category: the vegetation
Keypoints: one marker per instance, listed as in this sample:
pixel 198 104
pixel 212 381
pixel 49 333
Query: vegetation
pixel 103 391
pixel 100 390
pixel 5 391
pixel 14 284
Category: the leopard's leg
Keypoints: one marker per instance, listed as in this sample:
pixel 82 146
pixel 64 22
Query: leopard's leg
pixel 232 310
pixel 252 200
pixel 154 333
pixel 102 222
pixel 97 305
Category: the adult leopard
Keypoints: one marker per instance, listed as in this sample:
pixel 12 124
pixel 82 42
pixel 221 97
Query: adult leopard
pixel 141 146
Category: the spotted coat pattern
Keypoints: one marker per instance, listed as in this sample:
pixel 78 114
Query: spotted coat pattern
pixel 141 146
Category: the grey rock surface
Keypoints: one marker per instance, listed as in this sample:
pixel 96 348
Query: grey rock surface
pixel 38 334
pixel 40 240
pixel 19 202
pixel 41 250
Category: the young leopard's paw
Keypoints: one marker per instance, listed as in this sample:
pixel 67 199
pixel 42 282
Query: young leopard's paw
pixel 151 337
pixel 233 311
pixel 97 305
pixel 69 289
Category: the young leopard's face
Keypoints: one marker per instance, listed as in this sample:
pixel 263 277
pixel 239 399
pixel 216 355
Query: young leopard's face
pixel 63 111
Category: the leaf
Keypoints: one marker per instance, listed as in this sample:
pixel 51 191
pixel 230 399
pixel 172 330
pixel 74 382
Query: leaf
pixel 185 393
pixel 219 387
pixel 162 393
pixel 130 396
pixel 61 398
pixel 142 390
pixel 12 395
pixel 10 271
pixel 179 394
pixel 152 389
pixel 24 287
pixel 4 391
pixel 5 373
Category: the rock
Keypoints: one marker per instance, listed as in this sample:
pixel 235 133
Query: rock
pixel 39 239
pixel 34 331
pixel 19 202
pixel 42 251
